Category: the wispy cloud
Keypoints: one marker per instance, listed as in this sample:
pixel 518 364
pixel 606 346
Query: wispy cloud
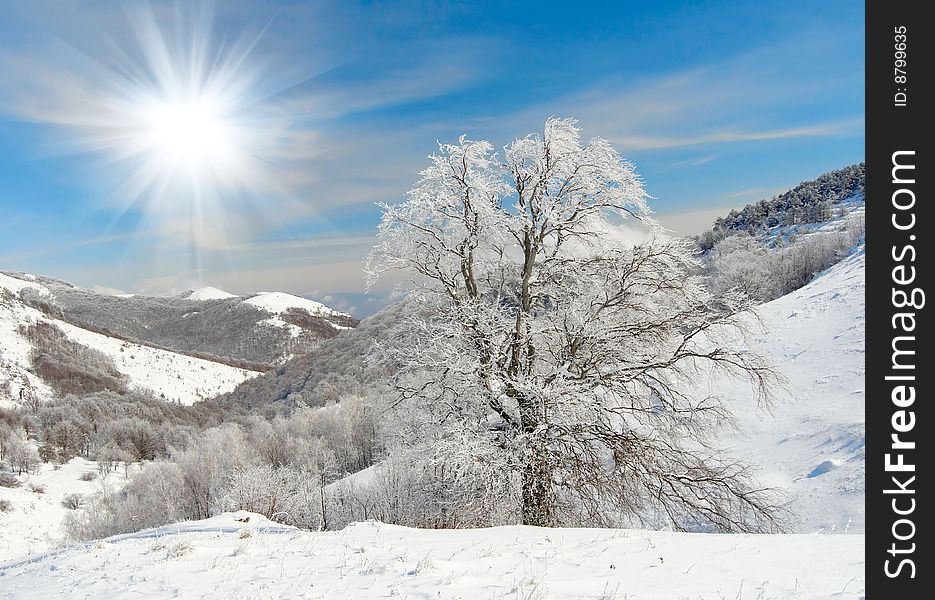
pixel 754 192
pixel 696 161
pixel 747 98
pixel 636 142
pixel 45 248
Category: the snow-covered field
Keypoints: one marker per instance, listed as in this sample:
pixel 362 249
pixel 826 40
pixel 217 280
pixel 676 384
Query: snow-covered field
pixel 165 373
pixel 35 523
pixel 222 557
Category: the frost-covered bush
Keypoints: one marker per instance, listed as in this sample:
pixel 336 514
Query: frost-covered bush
pixel 9 480
pixel 282 469
pixel 132 425
pixel 204 470
pixel 22 456
pixel 284 494
pixel 151 498
pixel 6 506
pixel 6 437
pixel 741 262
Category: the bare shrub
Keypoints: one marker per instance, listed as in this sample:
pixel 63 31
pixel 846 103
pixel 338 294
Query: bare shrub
pixel 73 501
pixel 9 480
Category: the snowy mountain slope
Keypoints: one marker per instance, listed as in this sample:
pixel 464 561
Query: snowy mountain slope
pixel 225 557
pixel 169 375
pixel 165 373
pixel 810 204
pixel 342 358
pixel 14 349
pixel 279 302
pixel 811 445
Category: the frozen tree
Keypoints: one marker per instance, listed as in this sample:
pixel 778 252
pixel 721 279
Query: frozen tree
pixel 557 352
pixel 262 489
pixel 23 457
pixel 738 261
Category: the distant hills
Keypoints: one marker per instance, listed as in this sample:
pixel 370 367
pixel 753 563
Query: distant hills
pixel 186 348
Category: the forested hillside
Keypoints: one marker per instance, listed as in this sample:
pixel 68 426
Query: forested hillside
pixel 815 201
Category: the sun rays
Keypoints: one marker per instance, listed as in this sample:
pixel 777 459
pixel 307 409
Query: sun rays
pixel 188 126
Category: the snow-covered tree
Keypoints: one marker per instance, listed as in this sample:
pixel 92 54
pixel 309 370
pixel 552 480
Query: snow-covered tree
pixel 556 345
pixel 22 456
pixel 738 261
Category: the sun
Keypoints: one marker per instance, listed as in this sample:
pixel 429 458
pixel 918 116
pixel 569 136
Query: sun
pixel 191 133
pixel 201 134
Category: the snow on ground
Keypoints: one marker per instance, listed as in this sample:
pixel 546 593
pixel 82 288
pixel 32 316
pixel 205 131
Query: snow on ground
pixel 35 523
pixel 208 293
pixel 812 444
pixel 163 372
pixel 14 284
pixel 225 558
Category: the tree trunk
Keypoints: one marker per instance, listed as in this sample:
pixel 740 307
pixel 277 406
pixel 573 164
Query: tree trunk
pixel 538 501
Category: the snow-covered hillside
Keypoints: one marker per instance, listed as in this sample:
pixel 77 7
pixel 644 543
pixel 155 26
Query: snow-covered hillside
pixel 242 555
pixel 279 302
pixel 34 522
pixel 14 349
pixel 168 374
pixel 811 444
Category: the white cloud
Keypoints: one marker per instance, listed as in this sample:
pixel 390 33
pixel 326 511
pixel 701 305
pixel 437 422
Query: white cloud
pixel 692 222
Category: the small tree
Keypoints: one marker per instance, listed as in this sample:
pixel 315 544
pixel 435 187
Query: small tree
pixel 23 457
pixel 561 352
pixel 73 501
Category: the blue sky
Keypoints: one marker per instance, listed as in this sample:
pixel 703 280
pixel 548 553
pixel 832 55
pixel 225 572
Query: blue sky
pixel 717 103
